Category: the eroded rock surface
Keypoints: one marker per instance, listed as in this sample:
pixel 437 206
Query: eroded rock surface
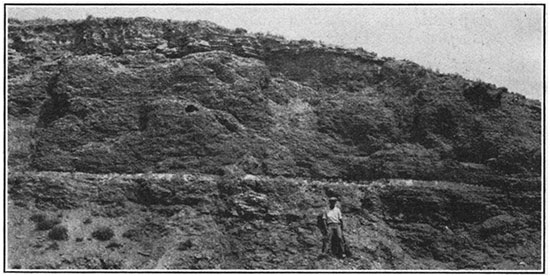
pixel 183 221
pixel 144 95
pixel 204 147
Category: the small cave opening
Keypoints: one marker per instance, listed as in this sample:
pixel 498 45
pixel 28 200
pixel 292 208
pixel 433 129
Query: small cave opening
pixel 191 108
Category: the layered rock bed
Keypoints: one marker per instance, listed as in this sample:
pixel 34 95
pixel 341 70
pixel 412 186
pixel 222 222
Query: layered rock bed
pixel 155 144
pixel 185 221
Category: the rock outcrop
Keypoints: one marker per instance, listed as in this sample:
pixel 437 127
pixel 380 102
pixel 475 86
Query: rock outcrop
pixel 110 93
pixel 184 221
pixel 204 147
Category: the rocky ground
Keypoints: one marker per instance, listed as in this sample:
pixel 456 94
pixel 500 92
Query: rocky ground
pixel 157 144
pixel 182 221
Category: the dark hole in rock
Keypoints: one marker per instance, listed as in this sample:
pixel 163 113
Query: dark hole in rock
pixel 191 108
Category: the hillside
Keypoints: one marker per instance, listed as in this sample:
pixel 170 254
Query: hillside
pixel 108 104
pixel 183 221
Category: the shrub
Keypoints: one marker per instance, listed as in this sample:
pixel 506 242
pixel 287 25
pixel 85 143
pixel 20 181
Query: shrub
pixel 87 221
pixel 38 217
pixel 59 233
pixel 110 263
pixel 47 224
pixel 103 233
pixel 240 31
pixel 182 246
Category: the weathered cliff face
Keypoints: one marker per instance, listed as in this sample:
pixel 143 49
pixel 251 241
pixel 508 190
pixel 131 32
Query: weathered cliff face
pixel 127 87
pixel 183 221
pixel 231 141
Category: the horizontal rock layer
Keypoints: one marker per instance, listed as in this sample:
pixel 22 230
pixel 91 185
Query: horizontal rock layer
pixel 252 222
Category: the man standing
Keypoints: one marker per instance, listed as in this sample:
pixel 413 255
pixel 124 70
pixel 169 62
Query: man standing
pixel 334 225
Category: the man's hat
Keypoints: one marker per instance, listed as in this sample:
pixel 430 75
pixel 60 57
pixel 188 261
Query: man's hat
pixel 333 199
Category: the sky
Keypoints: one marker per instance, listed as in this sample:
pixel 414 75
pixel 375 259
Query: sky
pixel 496 44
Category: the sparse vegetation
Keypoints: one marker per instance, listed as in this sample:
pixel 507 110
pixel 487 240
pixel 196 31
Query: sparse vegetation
pixel 103 233
pixel 240 31
pixel 59 233
pixel 47 224
pixel 38 217
pixel 182 246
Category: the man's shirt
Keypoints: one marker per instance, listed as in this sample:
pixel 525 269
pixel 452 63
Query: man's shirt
pixel 333 216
